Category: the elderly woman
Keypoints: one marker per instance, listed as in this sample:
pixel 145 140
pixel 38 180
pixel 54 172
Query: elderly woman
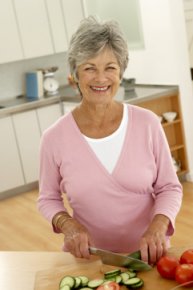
pixel 111 159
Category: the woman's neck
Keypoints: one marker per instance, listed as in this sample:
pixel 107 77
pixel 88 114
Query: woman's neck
pixel 98 121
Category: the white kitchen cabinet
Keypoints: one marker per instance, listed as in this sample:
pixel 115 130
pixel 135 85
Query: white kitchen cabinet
pixel 73 14
pixel 68 107
pixel 48 115
pixel 11 174
pixel 10 48
pixel 34 27
pixel 28 138
pixel 189 30
pixel 57 25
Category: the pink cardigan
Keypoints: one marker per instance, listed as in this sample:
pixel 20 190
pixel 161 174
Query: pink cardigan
pixel 115 208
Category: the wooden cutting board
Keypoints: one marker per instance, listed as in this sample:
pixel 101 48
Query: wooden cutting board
pixel 49 279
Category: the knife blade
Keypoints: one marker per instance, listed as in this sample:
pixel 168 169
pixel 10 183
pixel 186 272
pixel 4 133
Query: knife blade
pixel 119 260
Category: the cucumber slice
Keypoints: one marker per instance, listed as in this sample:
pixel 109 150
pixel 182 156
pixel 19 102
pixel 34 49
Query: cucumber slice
pixel 111 279
pixel 125 276
pixel 138 285
pixel 65 287
pixel 132 281
pixel 67 280
pixel 78 282
pixel 84 281
pixel 112 273
pixel 118 279
pixel 131 274
pixel 95 283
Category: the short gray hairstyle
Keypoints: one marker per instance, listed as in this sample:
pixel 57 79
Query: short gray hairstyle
pixel 91 37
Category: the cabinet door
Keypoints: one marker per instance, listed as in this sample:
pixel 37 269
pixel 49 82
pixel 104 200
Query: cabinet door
pixel 189 30
pixel 34 27
pixel 48 115
pixel 73 14
pixel 68 107
pixel 11 174
pixel 28 138
pixel 10 48
pixel 57 25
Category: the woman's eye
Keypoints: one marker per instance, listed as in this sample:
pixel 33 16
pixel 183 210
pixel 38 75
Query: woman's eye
pixel 89 68
pixel 111 68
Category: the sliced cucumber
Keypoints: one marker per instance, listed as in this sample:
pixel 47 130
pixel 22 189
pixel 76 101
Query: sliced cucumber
pixel 112 273
pixel 95 283
pixel 84 281
pixel 67 280
pixel 138 285
pixel 65 287
pixel 78 282
pixel 132 281
pixel 111 279
pixel 131 274
pixel 118 279
pixel 124 276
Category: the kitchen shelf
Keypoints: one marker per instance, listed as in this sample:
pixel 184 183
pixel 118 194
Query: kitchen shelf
pixel 167 124
pixel 176 147
pixel 174 131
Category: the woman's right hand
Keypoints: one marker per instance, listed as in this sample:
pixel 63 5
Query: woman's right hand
pixel 76 239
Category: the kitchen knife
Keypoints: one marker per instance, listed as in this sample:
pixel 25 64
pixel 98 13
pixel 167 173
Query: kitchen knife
pixel 115 259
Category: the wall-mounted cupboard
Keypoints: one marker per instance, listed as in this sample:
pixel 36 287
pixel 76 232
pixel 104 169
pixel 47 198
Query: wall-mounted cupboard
pixel 36 28
pixel 10 48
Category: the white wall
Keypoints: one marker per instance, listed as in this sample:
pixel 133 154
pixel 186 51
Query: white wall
pixel 165 59
pixel 12 75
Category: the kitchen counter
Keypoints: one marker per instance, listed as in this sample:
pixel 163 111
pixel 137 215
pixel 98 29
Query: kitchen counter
pixel 67 94
pixel 38 270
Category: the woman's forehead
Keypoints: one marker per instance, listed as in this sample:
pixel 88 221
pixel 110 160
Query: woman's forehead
pixel 106 56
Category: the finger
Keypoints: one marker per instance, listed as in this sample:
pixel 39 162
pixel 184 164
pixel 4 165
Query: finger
pixel 152 252
pixel 165 248
pixel 68 245
pixel 84 246
pixel 144 250
pixel 77 243
pixel 159 250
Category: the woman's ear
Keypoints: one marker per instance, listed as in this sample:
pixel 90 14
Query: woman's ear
pixel 72 82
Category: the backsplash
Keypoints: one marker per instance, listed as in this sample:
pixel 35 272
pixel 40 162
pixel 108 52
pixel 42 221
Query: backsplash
pixel 12 75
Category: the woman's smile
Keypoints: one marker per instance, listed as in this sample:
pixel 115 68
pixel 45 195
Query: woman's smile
pixel 99 88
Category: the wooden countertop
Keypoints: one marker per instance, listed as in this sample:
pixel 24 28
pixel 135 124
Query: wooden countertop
pixel 18 270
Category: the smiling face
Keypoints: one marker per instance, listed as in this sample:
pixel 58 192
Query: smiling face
pixel 99 78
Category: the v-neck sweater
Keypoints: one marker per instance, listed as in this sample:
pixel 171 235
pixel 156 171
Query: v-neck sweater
pixel 116 208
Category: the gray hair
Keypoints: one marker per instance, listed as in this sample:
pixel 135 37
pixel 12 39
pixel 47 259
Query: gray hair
pixel 91 37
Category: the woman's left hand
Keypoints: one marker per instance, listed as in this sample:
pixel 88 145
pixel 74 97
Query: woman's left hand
pixel 153 242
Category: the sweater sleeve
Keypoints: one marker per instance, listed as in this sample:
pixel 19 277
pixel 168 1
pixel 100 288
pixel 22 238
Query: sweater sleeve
pixel 50 199
pixel 167 188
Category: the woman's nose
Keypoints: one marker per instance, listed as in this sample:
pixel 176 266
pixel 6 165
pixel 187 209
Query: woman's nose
pixel 100 76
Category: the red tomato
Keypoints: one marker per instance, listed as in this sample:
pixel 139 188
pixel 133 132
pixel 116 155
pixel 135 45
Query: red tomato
pixel 187 257
pixel 109 286
pixel 184 273
pixel 166 266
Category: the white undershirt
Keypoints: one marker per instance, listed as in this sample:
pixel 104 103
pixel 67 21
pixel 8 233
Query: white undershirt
pixel 108 149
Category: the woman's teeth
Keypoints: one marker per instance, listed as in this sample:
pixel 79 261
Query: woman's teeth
pixel 99 88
